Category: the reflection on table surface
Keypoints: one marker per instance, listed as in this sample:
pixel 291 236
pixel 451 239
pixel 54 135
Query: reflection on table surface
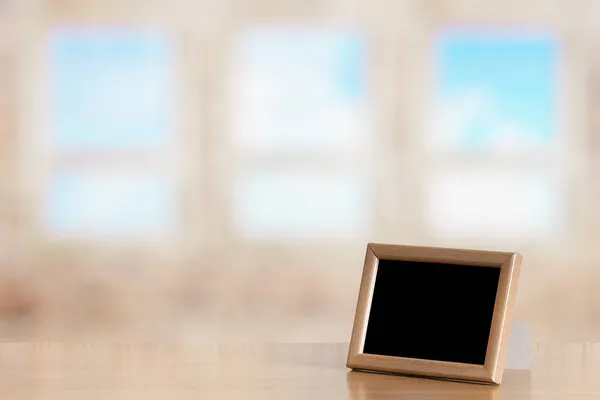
pixel 265 371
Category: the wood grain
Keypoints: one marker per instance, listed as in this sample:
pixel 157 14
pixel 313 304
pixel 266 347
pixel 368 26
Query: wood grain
pixel 266 371
pixel 503 317
pixel 451 370
pixel 365 295
pixel 440 255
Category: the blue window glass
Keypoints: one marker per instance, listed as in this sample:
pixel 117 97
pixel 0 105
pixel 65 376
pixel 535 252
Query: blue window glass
pixel 105 204
pixel 110 90
pixel 495 92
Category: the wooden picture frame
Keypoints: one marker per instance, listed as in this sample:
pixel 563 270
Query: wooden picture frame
pixel 492 369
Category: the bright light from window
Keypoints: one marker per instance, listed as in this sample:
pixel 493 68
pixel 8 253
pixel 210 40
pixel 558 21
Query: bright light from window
pixel 301 205
pixel 471 203
pixel 299 89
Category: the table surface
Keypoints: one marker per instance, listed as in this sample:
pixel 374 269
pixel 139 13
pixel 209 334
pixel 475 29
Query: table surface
pixel 266 371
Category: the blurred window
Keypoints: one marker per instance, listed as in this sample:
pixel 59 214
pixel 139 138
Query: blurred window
pixel 110 203
pixel 299 89
pixel 495 93
pixel 495 129
pixel 111 96
pixel 300 123
pixel 298 205
pixel 491 203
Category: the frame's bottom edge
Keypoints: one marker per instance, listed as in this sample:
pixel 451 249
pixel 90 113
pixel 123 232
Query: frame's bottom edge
pixel 431 377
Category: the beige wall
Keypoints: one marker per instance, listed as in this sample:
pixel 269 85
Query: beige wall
pixel 205 283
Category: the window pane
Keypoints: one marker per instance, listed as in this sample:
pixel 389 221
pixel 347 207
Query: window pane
pixel 508 205
pixel 110 90
pixel 109 204
pixel 293 205
pixel 495 92
pixel 298 89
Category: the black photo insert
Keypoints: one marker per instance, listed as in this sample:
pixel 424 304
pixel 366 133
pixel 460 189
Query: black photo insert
pixel 432 311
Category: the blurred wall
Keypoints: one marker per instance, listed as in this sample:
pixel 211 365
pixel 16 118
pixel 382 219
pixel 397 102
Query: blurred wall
pixel 191 170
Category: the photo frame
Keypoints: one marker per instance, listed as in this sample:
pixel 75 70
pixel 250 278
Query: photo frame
pixel 436 267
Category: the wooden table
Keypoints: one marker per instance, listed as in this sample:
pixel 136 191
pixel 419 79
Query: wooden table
pixel 267 371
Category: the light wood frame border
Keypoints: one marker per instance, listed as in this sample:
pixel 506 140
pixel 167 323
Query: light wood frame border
pixel 493 368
